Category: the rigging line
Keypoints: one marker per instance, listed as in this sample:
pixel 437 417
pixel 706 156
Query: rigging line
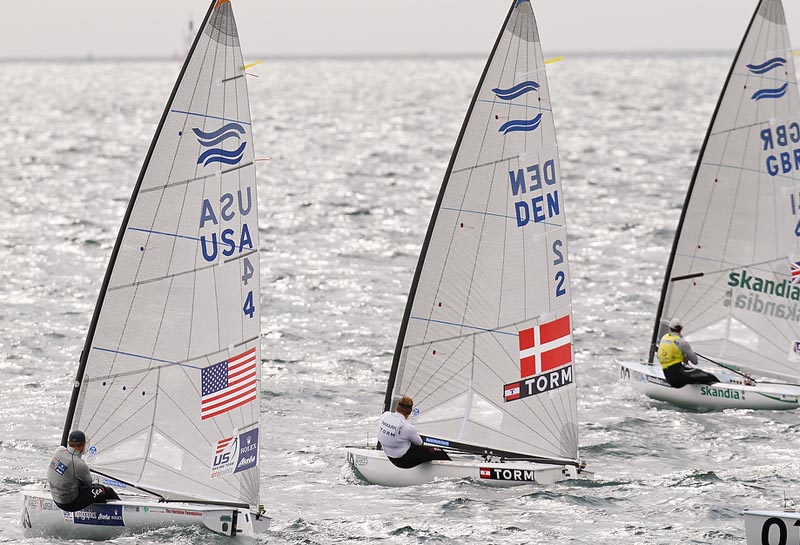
pixel 190 271
pixel 126 483
pixel 197 178
pixel 116 425
pixel 421 363
pixel 519 156
pixel 511 103
pixel 465 335
pixel 197 114
pixel 462 326
pixel 757 171
pixel 517 439
pixel 525 423
pixel 729 368
pixel 141 356
pixel 503 216
pixel 444 382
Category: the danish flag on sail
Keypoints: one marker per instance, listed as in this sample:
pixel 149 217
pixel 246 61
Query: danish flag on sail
pixel 545 347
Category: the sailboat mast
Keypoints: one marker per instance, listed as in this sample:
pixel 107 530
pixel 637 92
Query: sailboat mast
pixel 657 328
pixel 76 387
pixel 387 403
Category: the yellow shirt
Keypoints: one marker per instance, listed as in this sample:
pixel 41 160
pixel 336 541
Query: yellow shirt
pixel 669 353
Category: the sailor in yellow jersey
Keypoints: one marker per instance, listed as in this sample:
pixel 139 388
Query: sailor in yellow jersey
pixel 673 352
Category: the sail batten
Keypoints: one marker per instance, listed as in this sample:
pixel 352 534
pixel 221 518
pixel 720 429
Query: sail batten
pixel 167 391
pixel 485 347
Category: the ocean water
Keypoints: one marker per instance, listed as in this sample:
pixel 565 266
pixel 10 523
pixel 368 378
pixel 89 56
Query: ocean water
pixel 357 152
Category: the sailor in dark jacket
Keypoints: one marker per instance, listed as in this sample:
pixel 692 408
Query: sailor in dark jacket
pixel 70 480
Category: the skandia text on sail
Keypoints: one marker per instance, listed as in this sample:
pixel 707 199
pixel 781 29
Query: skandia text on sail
pixel 784 288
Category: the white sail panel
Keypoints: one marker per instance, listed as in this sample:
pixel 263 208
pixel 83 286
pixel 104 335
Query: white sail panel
pixel 170 392
pixel 730 280
pixel 494 274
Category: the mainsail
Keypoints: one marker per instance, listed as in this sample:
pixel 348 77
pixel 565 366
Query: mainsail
pixel 485 347
pixel 733 274
pixel 168 386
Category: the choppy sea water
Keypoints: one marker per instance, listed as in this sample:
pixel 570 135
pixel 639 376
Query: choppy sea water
pixel 358 149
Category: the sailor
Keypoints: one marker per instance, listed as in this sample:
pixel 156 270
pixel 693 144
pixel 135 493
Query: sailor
pixel 70 481
pixel 400 441
pixel 673 352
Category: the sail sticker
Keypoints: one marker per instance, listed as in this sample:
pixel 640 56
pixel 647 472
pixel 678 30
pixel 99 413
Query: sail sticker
pixel 502 474
pixel 235 454
pixel 794 353
pixel 99 515
pixel 538 384
pixel 770 93
pixel 219 154
pixel 766 66
pixel 516 91
pixel 795 272
pixel 229 384
pixel 535 178
pixel 518 125
pixel 224 459
pixel 545 347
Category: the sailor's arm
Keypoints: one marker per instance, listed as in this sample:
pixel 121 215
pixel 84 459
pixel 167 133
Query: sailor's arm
pixel 686 348
pixel 408 431
pixel 82 472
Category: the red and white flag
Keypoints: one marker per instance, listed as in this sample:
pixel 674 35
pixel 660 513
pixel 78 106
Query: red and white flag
pixel 486 473
pixel 511 392
pixel 545 347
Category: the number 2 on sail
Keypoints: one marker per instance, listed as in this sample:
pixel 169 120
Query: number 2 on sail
pixel 560 277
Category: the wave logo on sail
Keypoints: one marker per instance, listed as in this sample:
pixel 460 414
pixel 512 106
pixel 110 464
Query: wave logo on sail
pixel 770 93
pixel 521 125
pixel 517 91
pixel 217 138
pixel 766 66
pixel 544 352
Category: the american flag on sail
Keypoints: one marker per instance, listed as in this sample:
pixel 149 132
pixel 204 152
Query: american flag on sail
pixel 545 347
pixel 228 384
pixel 795 267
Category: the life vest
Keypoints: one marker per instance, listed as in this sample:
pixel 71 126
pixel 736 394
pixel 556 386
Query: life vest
pixel 668 352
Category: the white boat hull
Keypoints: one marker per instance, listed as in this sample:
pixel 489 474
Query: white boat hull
pixel 375 468
pixel 771 527
pixel 42 517
pixel 649 380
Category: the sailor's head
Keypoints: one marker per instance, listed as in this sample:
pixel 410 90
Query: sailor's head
pixel 405 405
pixel 77 440
pixel 675 325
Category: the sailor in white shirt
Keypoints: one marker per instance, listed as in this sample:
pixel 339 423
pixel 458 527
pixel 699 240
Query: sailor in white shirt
pixel 400 441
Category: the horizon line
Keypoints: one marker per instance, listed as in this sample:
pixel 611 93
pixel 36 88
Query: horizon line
pixel 366 56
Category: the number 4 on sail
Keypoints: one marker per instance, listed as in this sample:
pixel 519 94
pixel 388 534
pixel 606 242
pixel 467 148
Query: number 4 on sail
pixel 733 278
pixel 167 390
pixel 484 360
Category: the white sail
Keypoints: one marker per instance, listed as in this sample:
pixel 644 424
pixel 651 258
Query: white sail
pixel 168 390
pixel 485 349
pixel 730 278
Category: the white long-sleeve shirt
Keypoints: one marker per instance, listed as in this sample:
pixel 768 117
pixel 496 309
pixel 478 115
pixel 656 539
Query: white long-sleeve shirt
pixel 396 434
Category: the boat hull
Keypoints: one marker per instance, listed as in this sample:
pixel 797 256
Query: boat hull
pixel 42 517
pixel 649 380
pixel 375 468
pixel 779 527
